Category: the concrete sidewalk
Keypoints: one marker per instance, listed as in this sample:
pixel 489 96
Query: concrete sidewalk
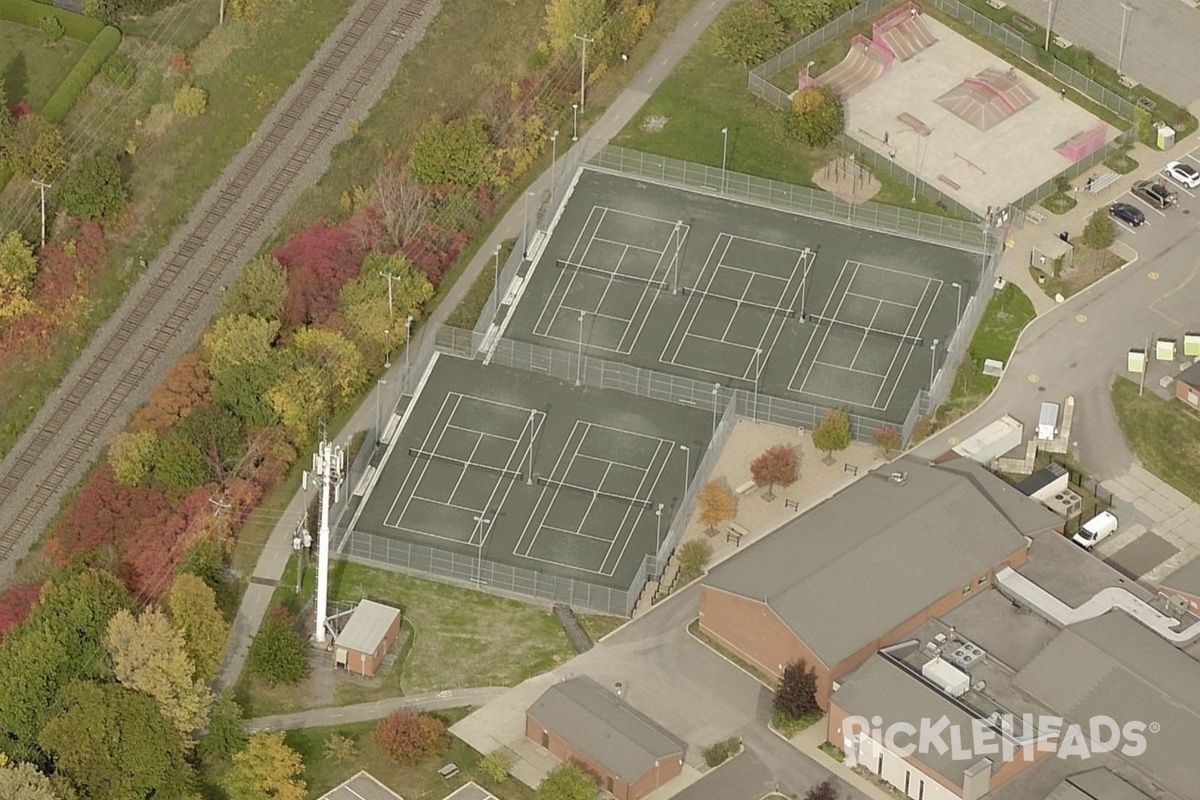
pixel 361 712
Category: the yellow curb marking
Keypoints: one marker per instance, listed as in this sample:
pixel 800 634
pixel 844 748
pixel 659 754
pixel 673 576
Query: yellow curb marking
pixel 1033 378
pixel 1081 318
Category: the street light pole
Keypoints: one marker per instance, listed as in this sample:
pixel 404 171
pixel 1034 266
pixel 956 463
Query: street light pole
pixel 958 305
pixel 724 159
pixel 553 158
pixel 495 283
pixel 932 362
pixel 583 71
pixel 387 356
pixel 378 419
pixel 407 341
pixel 529 448
pixel 480 521
pixel 525 228
pixel 678 234
pixel 579 370
pixel 687 470
pixel 574 122
pixel 757 375
pixel 716 394
pixel 1049 22
pixel 1126 8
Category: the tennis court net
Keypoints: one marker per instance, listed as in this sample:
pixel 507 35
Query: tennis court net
pixel 780 310
pixel 604 273
pixel 629 501
pixel 511 474
pixel 915 341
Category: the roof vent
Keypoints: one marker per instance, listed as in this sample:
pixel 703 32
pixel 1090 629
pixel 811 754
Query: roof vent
pixel 940 638
pixel 900 478
pixel 979 686
pixel 932 648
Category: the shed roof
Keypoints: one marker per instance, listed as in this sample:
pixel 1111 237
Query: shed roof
pixel 1185 579
pixel 1190 376
pixel 367 626
pixel 844 574
pixel 1041 479
pixel 596 722
pixel 1097 784
pixel 1114 666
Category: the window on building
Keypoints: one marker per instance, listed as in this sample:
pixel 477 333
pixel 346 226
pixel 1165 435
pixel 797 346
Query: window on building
pixel 879 768
pixel 608 784
pixel 907 779
pixel 1192 398
pixel 921 790
pixel 546 739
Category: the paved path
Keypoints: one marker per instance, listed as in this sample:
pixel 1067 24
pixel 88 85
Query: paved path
pixel 361 712
pixel 164 316
pixel 278 549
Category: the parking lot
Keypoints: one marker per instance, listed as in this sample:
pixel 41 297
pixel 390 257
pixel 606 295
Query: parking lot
pixel 1156 216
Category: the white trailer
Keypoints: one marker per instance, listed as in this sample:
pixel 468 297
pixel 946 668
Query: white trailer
pixel 995 440
pixel 1047 429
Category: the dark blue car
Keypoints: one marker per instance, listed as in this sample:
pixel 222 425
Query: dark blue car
pixel 1131 215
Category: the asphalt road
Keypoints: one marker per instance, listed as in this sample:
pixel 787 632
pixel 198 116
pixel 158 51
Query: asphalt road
pixel 1078 348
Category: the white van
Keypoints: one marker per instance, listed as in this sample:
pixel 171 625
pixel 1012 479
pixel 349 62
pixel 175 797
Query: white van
pixel 1096 530
pixel 1047 429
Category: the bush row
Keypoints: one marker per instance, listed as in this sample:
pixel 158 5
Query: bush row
pixel 29 12
pixel 103 45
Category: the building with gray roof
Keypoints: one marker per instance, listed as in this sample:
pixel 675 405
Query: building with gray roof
pixel 1185 581
pixel 361 646
pixel 1113 666
pixel 868 565
pixel 579 721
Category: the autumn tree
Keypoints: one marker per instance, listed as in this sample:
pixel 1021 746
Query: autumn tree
pixel 277 654
pixel 16 604
pixel 192 604
pixel 23 781
pixel 887 439
pixel 401 204
pixel 817 116
pixel 693 558
pixel 103 516
pixel 716 505
pixel 259 290
pixel 17 270
pixel 34 147
pixel 226 732
pixel 240 353
pixel 566 18
pixel 185 387
pixel 832 434
pixel 457 152
pixel 93 189
pixel 822 791
pixel 410 737
pixel 266 769
pixel 112 743
pixel 318 261
pixel 808 15
pixel 566 782
pixel 496 765
pixel 796 695
pixel 778 466
pixel 748 32
pixel 1100 231
pixel 151 656
pixel 364 300
pixel 215 433
pixel 131 455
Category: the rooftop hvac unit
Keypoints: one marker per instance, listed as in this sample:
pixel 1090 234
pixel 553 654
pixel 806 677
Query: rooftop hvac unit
pixel 967 655
pixel 979 686
pixel 899 477
pixel 1067 504
pixel 940 638
pixel 932 648
pixel 946 677
pixel 1178 604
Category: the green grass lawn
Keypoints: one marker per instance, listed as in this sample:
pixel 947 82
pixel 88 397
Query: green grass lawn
pixel 454 637
pixel 1163 434
pixel 408 780
pixel 1007 314
pixel 790 726
pixel 600 625
pixel 32 68
pixel 1088 267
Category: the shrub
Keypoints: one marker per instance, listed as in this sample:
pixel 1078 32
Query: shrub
pixel 30 13
pixel 693 558
pixel 17 268
pixel 278 655
pixel 1100 231
pixel 887 439
pixel 93 189
pixel 721 751
pixel 796 695
pixel 132 456
pixel 52 28
pixel 340 748
pixel 495 765
pixel 102 46
pixel 817 116
pixel 190 101
pixel 410 737
pixel 748 32
pixel 118 71
pixel 455 153
pixel 34 147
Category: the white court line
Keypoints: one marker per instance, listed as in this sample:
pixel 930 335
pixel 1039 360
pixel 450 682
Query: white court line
pixel 863 343
pixel 696 308
pixel 828 327
pixel 499 436
pixel 424 467
pixel 626 245
pixel 562 274
pixel 640 511
pixel 844 368
pixel 937 285
pixel 884 300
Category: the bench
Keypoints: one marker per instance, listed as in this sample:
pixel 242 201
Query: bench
pixel 1065 44
pixel 948 182
pixel 746 488
pixel 449 771
pixel 1128 82
pixel 997 4
pixel 1103 182
pixel 735 534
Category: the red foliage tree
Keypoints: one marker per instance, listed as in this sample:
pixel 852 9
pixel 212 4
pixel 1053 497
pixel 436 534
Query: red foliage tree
pixel 778 466
pixel 15 604
pixel 103 516
pixel 184 388
pixel 151 553
pixel 405 736
pixel 318 260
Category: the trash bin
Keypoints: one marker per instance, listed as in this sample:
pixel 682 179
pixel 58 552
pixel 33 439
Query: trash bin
pixel 1166 137
pixel 1065 236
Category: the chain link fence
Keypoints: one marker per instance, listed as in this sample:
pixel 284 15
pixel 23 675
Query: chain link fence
pixel 795 199
pixel 1088 162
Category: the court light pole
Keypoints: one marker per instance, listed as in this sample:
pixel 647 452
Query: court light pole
pixel 687 469
pixel 958 305
pixel 525 228
pixel 407 350
pixel 757 375
pixel 1126 9
pixel 657 534
pixel 932 362
pixel 579 370
pixel 480 521
pixel 529 448
pixel 574 122
pixel 678 234
pixel 495 283
pixel 378 418
pixel 553 158
pixel 724 159
pixel 716 399
pixel 1049 22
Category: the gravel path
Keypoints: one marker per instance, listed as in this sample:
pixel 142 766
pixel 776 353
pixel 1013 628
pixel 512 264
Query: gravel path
pixel 95 399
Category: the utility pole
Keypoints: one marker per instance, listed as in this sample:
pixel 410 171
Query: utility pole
pixel 583 71
pixel 43 186
pixel 1049 22
pixel 221 14
pixel 328 464
pixel 391 319
pixel 495 283
pixel 553 158
pixel 301 541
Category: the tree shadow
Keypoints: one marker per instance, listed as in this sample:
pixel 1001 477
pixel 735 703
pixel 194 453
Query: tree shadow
pixel 16 79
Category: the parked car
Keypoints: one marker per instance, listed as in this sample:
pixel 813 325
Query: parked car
pixel 1130 215
pixel 1183 174
pixel 1156 193
pixel 1096 530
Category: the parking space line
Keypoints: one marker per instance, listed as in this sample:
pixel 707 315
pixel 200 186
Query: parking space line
pixel 1144 203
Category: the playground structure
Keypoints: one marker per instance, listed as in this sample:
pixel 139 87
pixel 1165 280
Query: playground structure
pixel 848 179
pixel 988 98
pixel 902 34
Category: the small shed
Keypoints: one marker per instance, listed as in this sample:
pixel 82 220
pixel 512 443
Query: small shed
pixel 1187 386
pixel 579 721
pixel 372 630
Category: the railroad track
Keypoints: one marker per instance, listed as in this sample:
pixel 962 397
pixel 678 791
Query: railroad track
pixel 85 394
